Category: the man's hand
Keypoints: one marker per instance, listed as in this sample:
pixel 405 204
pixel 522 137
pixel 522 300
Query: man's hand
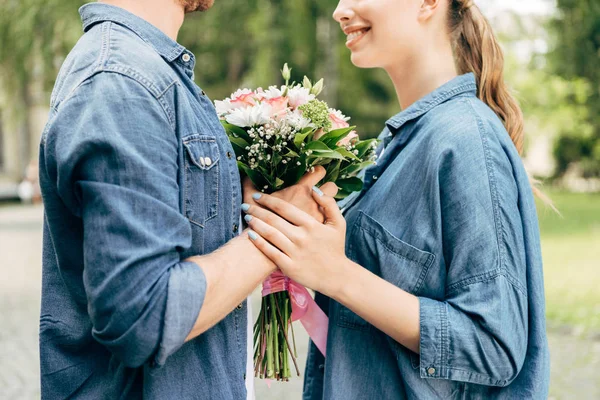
pixel 300 195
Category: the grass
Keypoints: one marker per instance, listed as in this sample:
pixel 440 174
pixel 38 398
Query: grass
pixel 571 253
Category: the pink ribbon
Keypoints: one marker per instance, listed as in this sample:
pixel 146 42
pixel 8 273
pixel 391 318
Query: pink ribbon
pixel 304 307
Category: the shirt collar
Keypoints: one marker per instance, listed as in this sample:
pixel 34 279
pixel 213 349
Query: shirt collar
pixel 94 13
pixel 457 86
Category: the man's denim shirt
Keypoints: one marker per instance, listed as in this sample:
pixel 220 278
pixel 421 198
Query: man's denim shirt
pixel 448 215
pixel 137 175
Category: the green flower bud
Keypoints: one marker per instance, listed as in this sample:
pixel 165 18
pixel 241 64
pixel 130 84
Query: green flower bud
pixel 286 72
pixel 317 87
pixel 306 83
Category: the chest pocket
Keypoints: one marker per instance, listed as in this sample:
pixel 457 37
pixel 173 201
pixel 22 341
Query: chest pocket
pixel 376 249
pixel 201 196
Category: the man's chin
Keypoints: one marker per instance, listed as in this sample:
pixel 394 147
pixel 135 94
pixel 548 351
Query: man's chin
pixel 191 6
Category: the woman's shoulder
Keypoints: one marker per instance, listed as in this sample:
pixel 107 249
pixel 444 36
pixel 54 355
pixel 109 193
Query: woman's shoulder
pixel 462 125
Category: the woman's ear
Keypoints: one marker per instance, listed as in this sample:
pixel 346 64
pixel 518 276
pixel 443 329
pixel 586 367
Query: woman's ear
pixel 429 8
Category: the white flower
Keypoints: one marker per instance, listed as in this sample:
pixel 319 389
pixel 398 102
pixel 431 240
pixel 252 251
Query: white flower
pixel 223 107
pixel 297 121
pixel 250 116
pixel 298 96
pixel 273 92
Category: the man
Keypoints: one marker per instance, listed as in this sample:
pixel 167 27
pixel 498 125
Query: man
pixel 144 275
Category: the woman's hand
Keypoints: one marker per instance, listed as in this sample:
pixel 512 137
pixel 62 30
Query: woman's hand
pixel 309 252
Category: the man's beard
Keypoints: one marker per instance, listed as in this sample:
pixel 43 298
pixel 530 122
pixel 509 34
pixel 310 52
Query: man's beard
pixel 196 5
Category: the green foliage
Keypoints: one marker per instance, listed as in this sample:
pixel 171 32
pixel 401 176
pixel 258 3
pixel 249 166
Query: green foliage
pixel 36 35
pixel 577 56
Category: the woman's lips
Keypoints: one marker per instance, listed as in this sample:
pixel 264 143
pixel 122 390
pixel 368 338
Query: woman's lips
pixel 355 36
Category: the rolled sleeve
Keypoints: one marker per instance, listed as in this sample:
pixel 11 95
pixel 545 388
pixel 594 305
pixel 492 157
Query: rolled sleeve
pixel 477 335
pixel 116 167
pixel 478 332
pixel 187 287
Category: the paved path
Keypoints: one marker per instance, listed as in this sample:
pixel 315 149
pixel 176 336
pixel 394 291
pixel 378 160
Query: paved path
pixel 575 361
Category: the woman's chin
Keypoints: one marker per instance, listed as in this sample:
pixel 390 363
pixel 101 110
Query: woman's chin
pixel 361 60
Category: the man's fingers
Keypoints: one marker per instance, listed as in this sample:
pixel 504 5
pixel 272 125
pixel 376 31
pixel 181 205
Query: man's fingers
pixel 329 189
pixel 312 178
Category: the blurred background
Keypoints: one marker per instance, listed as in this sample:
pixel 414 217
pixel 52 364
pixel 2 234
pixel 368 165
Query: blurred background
pixel 552 51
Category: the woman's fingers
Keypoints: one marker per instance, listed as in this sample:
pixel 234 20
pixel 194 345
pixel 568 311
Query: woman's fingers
pixel 273 235
pixel 272 219
pixel 332 212
pixel 272 252
pixel 284 209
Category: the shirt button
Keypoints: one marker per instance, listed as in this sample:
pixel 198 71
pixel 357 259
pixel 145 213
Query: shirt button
pixel 207 161
pixel 240 306
pixel 430 371
pixel 186 57
pixel 203 94
pixel 229 155
pixel 235 228
pixel 375 177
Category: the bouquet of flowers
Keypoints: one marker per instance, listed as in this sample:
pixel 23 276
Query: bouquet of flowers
pixel 278 135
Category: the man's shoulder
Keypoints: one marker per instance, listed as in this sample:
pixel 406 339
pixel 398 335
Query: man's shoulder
pixel 111 48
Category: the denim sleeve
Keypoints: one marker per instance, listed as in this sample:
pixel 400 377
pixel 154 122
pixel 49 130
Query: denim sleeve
pixel 478 334
pixel 115 161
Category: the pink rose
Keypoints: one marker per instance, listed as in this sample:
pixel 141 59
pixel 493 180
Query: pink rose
pixel 348 139
pixel 278 106
pixel 337 122
pixel 243 98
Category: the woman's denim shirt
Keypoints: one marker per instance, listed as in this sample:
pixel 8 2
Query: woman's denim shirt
pixel 448 215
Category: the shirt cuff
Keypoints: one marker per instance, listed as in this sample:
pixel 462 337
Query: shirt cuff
pixel 433 345
pixel 185 296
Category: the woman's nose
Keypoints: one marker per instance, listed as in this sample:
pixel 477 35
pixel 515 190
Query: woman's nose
pixel 343 11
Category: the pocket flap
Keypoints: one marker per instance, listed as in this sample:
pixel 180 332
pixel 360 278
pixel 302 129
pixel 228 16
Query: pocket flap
pixel 202 150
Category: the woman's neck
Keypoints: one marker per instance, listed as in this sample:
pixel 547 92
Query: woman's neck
pixel 421 75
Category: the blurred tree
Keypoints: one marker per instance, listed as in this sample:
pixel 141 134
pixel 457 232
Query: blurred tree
pixel 236 43
pixel 577 56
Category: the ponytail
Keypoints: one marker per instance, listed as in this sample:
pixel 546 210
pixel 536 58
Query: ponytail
pixel 477 50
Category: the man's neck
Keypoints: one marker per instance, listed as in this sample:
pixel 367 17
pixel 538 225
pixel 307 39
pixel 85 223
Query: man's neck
pixel 166 15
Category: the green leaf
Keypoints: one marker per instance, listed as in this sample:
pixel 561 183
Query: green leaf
pixel 354 168
pixel 238 141
pixel 334 136
pixel 333 171
pixel 291 153
pixel 346 153
pixel 364 145
pixel 350 184
pixel 256 177
pixel 327 154
pixel 300 136
pixel 317 145
pixel 236 131
pixel 342 194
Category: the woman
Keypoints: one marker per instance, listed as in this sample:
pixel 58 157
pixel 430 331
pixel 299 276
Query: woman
pixel 435 274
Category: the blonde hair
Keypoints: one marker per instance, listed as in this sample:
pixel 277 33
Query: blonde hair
pixel 477 50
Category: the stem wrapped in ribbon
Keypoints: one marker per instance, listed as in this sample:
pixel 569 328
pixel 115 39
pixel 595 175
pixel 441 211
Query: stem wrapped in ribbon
pixel 285 301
